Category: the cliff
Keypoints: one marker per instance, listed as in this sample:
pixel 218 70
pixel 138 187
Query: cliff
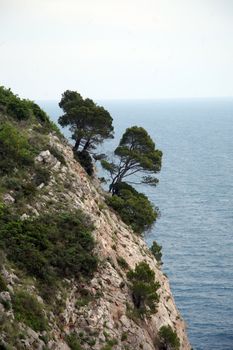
pixel 85 313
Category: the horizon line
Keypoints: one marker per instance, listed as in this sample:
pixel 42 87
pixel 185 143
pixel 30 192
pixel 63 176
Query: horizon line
pixel 149 98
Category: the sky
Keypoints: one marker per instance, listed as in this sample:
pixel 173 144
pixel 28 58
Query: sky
pixel 114 49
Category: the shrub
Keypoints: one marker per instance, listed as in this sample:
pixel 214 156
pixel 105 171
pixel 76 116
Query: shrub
pixel 134 208
pixel 85 160
pixel 156 251
pixel 28 310
pixel 110 344
pixel 3 285
pixel 73 341
pixel 168 339
pixel 42 175
pixel 23 110
pixel 49 246
pixel 144 288
pixel 14 149
pixel 57 154
pixel 27 189
pixel 122 262
pixel 12 182
pixel 124 336
pixel 39 114
pixel 18 109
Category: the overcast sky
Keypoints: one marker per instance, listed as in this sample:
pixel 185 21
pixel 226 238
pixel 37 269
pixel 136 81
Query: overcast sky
pixel 117 48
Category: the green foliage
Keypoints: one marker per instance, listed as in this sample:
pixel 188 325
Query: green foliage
pixel 156 251
pixel 168 338
pixel 27 189
pixel 89 123
pixel 22 185
pixel 57 154
pixel 14 149
pixel 85 160
pixel 50 246
pixel 12 334
pixel 40 115
pixel 111 167
pixel 23 189
pixel 3 285
pixel 106 347
pixel 42 175
pixel 136 153
pixel 134 208
pixel 23 110
pixel 124 336
pixel 13 183
pixel 144 288
pixel 122 262
pixel 13 105
pixel 73 342
pixel 28 310
pixel 110 344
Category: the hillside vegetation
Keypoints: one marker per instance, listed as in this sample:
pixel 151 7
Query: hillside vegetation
pixel 72 274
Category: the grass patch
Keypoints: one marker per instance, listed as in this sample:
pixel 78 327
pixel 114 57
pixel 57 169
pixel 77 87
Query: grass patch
pixel 28 310
pixel 73 342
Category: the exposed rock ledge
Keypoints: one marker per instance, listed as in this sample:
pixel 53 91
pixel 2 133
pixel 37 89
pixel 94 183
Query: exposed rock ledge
pixel 106 315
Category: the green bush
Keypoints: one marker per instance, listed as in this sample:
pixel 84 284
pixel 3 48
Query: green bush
pixel 42 175
pixel 73 341
pixel 85 160
pixel 156 251
pixel 57 154
pixel 134 208
pixel 24 110
pixel 124 336
pixel 168 339
pixel 144 288
pixel 110 344
pixel 40 115
pixel 3 285
pixel 122 262
pixel 14 149
pixel 12 182
pixel 28 310
pixel 18 109
pixel 50 246
pixel 27 189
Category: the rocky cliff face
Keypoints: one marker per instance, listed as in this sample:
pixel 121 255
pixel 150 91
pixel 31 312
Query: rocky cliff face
pixel 102 317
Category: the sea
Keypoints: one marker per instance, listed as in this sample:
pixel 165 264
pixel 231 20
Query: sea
pixel 195 199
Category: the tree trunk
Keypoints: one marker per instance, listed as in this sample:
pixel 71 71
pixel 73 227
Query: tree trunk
pixel 76 146
pixel 87 145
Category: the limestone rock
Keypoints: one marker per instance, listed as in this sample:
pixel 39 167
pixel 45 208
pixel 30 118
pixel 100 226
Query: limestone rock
pixel 8 199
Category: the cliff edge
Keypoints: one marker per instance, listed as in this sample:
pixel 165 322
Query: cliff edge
pixel 94 313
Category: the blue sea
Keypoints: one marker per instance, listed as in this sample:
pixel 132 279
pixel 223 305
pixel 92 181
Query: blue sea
pixel 195 198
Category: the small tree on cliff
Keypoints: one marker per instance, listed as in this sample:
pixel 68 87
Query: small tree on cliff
pixel 136 153
pixel 144 288
pixel 89 123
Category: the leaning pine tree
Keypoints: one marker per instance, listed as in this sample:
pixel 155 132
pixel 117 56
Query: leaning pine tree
pixel 89 124
pixel 135 154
